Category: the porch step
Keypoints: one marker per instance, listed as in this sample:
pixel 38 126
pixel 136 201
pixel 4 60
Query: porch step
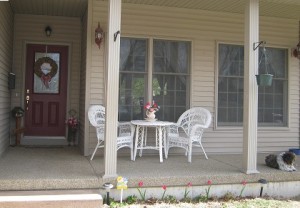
pixel 51 199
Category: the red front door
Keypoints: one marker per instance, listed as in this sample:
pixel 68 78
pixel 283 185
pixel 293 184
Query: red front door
pixel 46 90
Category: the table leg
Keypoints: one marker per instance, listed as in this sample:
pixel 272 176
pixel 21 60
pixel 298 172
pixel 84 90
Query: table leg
pixel 165 142
pixel 136 141
pixel 160 143
pixel 142 140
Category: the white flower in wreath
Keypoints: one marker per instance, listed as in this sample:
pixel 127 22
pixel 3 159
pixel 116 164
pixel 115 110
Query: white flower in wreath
pixel 46 68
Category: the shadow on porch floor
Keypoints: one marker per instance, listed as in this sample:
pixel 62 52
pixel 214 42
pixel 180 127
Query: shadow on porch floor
pixel 30 168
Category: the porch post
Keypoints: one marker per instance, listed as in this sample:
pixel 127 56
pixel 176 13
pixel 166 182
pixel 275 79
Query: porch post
pixel 112 89
pixel 250 87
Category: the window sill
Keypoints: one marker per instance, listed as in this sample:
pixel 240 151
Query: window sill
pixel 259 129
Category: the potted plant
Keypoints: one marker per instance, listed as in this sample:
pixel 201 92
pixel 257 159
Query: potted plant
pixel 72 123
pixel 151 110
pixel 266 78
pixel 17 112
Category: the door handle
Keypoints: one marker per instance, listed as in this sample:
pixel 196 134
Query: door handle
pixel 27 101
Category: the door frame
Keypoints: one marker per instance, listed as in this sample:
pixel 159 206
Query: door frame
pixel 51 140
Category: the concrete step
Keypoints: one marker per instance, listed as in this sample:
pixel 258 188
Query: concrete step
pixel 51 199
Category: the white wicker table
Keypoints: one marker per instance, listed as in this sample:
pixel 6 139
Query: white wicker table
pixel 141 136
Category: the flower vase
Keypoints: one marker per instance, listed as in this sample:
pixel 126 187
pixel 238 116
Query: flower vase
pixel 150 115
pixel 71 136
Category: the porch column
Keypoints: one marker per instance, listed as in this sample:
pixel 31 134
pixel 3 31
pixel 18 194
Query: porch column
pixel 250 87
pixel 112 87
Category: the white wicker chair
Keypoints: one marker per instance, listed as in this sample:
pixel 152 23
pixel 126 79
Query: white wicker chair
pixel 188 130
pixel 96 115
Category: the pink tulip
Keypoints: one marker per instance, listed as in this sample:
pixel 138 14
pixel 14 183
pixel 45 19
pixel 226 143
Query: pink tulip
pixel 141 183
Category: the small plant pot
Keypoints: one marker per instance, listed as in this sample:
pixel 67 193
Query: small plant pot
pixel 264 79
pixel 295 150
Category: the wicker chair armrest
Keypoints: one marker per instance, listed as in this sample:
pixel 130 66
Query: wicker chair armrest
pixel 197 130
pixel 173 129
pixel 125 129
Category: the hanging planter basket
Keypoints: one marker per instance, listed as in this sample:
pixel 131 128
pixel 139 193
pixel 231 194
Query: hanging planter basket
pixel 264 79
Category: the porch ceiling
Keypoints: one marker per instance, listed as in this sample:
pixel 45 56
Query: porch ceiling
pixel 76 8
pixel 68 8
pixel 276 8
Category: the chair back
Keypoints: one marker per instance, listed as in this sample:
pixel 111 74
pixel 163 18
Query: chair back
pixel 96 115
pixel 193 116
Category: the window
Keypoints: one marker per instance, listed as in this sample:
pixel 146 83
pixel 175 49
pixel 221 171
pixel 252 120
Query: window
pixel 272 101
pixel 168 71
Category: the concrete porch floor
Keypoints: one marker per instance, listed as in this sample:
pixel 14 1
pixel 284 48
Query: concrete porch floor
pixel 59 168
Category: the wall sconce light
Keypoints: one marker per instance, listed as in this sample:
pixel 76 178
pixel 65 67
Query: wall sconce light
pixel 296 51
pixel 99 34
pixel 48 31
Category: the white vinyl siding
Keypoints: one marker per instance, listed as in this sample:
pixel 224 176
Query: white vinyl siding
pixel 6 41
pixel 205 29
pixel 95 71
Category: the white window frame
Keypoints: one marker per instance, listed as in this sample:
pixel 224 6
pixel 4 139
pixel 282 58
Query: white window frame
pixel 260 128
pixel 150 41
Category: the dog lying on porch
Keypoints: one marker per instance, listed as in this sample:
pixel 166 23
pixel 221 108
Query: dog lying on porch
pixel 283 161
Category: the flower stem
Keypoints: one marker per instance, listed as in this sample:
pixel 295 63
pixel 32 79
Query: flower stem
pixel 163 196
pixel 242 191
pixel 142 194
pixel 207 192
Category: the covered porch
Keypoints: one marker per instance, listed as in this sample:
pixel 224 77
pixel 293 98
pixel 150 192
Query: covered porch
pixel 204 24
pixel 64 168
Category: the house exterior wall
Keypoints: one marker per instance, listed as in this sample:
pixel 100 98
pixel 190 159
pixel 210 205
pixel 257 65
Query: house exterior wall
pixel 6 42
pixel 83 82
pixel 205 29
pixel 65 31
pixel 95 73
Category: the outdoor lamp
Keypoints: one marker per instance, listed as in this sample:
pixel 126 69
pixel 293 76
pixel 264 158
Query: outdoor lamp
pixel 296 51
pixel 107 187
pixel 263 182
pixel 48 31
pixel 99 34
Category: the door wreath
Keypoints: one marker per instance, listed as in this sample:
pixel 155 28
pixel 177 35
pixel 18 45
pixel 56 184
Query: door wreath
pixel 45 68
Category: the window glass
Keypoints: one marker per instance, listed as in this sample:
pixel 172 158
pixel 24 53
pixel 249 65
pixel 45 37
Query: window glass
pixel 170 78
pixel 133 54
pixel 171 56
pixel 272 101
pixel 46 76
pixel 133 76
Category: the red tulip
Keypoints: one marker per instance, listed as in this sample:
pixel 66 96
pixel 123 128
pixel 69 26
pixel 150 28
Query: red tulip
pixel 141 183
